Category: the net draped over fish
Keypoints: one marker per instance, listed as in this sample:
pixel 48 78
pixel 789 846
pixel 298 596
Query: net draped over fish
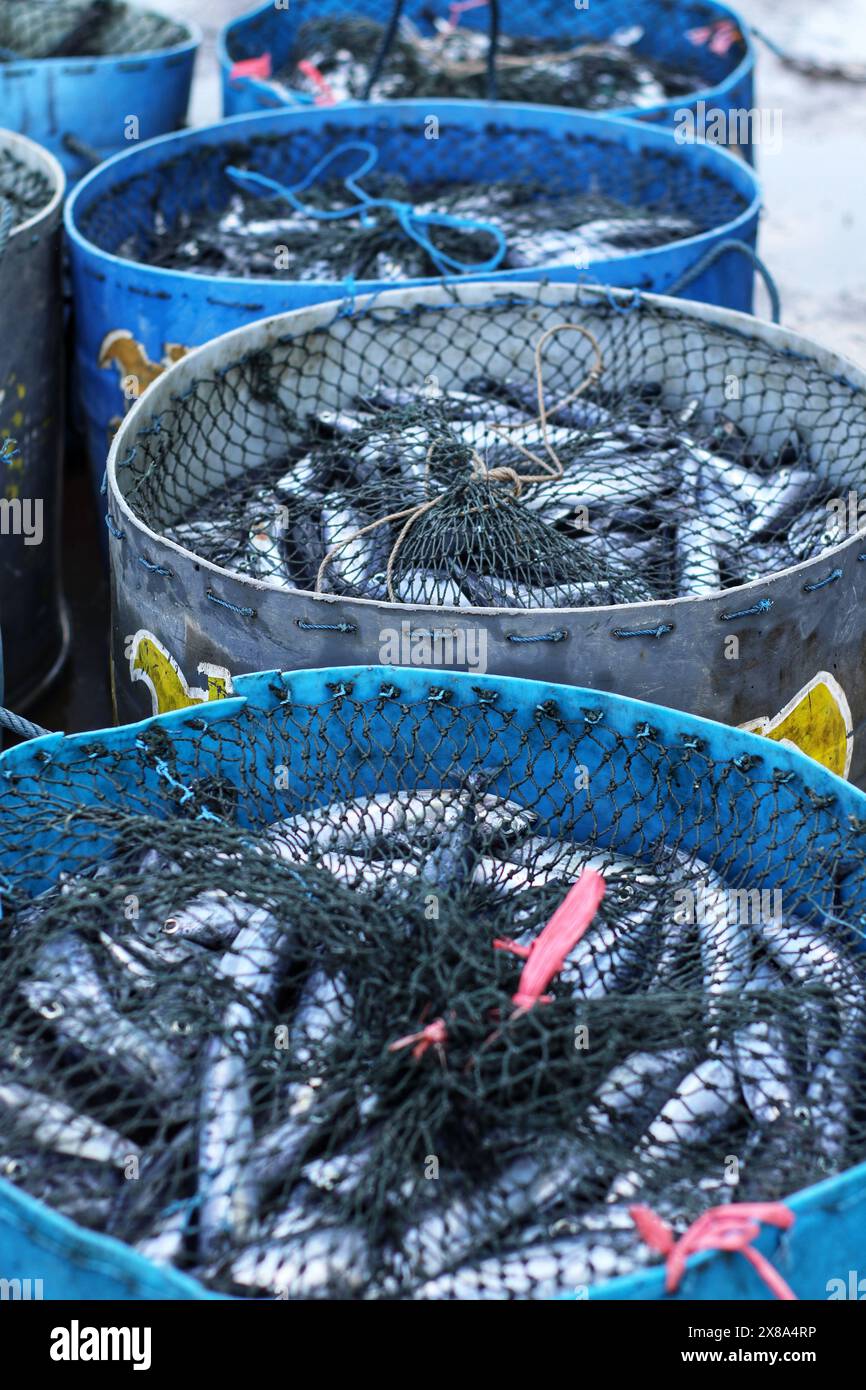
pixel 267 1013
pixel 386 51
pixel 81 28
pixel 552 458
pixel 375 200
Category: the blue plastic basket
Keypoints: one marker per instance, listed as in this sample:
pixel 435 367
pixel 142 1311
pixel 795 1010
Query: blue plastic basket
pixel 726 79
pixel 167 311
pixel 770 804
pixel 80 108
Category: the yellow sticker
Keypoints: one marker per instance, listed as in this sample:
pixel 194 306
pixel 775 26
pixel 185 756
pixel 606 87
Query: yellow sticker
pixel 151 663
pixel 135 370
pixel 817 722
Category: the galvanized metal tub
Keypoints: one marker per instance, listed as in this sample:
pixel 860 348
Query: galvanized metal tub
pixel 783 654
pixel 734 792
pixel 32 616
pixel 726 78
pixel 133 319
pixel 84 109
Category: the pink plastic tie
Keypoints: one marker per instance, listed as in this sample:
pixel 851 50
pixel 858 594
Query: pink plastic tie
pixel 732 1227
pixel 434 1035
pixel 721 36
pixel 456 9
pixel 253 67
pixel 550 949
pixel 325 95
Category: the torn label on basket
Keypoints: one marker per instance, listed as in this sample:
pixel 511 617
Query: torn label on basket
pixel 817 721
pixel 150 663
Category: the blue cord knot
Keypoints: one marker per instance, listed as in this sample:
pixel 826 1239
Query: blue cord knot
pixel 414 224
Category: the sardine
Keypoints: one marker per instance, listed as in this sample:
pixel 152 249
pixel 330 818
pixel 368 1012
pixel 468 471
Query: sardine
pixel 762 1052
pixel 324 1009
pixel 324 1262
pixel 426 587
pixel 55 1125
pixel 696 1111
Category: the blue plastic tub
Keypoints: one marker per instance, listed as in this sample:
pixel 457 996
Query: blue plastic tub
pixel 725 81
pixel 770 807
pixel 85 109
pixel 160 313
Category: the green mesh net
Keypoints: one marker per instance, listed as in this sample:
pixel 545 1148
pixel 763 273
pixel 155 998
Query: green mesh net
pixel 504 455
pixel 82 29
pixel 281 1038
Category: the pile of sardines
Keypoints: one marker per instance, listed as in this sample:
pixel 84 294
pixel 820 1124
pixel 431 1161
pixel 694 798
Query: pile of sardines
pixel 610 502
pixel 370 243
pixel 334 58
pixel 285 1167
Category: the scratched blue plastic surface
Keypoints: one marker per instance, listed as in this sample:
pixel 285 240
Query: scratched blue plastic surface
pixel 826 1240
pixel 92 99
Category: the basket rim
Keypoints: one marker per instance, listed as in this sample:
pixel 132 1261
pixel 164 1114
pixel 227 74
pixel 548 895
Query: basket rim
pixel 104 180
pixel 724 11
pixel 228 349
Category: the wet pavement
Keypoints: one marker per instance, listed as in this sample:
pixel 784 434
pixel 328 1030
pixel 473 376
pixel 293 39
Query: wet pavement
pixel 812 237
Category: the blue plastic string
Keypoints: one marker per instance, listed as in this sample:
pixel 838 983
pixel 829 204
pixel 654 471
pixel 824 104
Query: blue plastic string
pixel 559 634
pixel 661 631
pixel 232 607
pixel 822 583
pixel 413 223
pixel 762 606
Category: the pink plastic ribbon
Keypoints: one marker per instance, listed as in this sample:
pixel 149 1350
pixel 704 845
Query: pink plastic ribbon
pixel 721 36
pixel 458 7
pixel 325 94
pixel 550 949
pixel 434 1035
pixel 253 67
pixel 732 1227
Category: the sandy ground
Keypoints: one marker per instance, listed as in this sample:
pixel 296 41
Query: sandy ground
pixel 812 237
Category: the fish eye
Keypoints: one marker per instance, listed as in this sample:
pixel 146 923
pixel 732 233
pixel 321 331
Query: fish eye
pixel 52 1010
pixel 170 926
pixel 184 1029
pixel 14 1168
pixel 802 1112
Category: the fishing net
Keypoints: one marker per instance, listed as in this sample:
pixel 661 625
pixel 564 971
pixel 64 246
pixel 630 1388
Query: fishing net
pixel 379 202
pixel 295 1041
pixel 82 29
pixel 387 51
pixel 24 189
pixel 503 454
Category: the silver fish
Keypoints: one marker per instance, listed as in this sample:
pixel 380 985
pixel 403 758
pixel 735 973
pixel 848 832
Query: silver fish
pixel 723 941
pixel 547 1271
pixel 762 1052
pixel 697 1110
pixel 357 560
pixel 697 558
pixel 324 1008
pixel 55 1125
pixel 267 556
pixel 228 1191
pixel 426 587
pixel 453 1228
pixel 71 994
pixel 610 957
pixel 319 1263
pixel 214 918
pixel 787 492
pixel 819 529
